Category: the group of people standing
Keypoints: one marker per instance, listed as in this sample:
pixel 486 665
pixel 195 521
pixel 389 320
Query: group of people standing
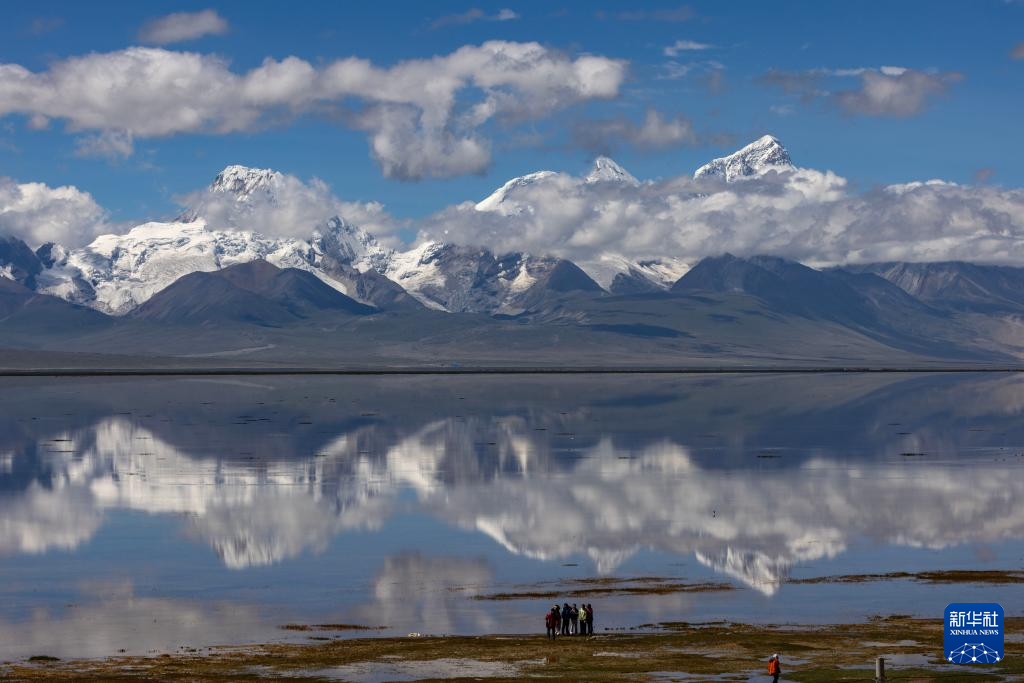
pixel 570 620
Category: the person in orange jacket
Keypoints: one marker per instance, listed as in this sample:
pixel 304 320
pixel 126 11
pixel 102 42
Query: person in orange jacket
pixel 774 668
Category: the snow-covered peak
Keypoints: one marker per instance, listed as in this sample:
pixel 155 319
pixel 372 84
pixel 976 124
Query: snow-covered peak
pixel 244 182
pixel 608 170
pixel 245 214
pixel 504 200
pixel 249 188
pixel 763 155
pixel 499 199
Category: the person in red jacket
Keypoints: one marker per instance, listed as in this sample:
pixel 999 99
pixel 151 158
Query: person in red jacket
pixel 774 668
pixel 551 622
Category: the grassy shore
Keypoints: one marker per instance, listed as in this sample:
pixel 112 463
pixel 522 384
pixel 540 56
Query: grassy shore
pixel 678 651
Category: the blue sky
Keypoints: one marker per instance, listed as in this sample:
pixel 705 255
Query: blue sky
pixel 965 122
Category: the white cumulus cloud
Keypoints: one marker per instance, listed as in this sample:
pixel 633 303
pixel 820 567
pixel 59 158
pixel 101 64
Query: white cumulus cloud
pixel 182 26
pixel 423 117
pixel 38 213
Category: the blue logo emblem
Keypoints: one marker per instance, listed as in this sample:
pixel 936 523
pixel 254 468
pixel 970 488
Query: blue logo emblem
pixel 974 633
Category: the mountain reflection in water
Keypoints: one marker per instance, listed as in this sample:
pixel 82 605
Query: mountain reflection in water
pixel 751 476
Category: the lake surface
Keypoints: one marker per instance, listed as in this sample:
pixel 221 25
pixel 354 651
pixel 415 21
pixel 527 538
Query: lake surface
pixel 150 514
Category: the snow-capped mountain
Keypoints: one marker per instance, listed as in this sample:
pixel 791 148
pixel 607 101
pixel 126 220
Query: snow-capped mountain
pixel 243 183
pixel 121 272
pixel 117 273
pixel 247 191
pixel 469 279
pixel 515 197
pixel 459 279
pixel 763 155
pixel 607 170
pixel 505 201
pixel 245 187
pixel 613 272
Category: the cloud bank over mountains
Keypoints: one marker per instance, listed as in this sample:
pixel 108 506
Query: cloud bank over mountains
pixel 281 205
pixel 805 214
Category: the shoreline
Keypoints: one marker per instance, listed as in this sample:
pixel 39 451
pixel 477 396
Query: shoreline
pixel 497 370
pixel 669 651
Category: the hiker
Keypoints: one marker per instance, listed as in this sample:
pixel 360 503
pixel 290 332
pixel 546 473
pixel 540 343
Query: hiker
pixel 582 616
pixel 549 623
pixel 565 619
pixel 774 668
pixel 590 619
pixel 574 620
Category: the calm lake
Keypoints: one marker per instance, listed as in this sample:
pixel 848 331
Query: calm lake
pixel 150 514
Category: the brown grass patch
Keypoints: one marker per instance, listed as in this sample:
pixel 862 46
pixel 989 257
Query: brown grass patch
pixel 696 651
pixel 948 576
pixel 331 627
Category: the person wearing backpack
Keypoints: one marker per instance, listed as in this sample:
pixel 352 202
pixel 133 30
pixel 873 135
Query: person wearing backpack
pixel 774 668
pixel 549 624
pixel 590 619
pixel 565 619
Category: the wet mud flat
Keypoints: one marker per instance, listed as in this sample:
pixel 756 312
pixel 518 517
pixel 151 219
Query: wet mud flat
pixel 663 652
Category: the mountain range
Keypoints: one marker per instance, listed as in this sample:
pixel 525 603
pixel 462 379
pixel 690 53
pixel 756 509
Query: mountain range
pixel 117 273
pixel 206 285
